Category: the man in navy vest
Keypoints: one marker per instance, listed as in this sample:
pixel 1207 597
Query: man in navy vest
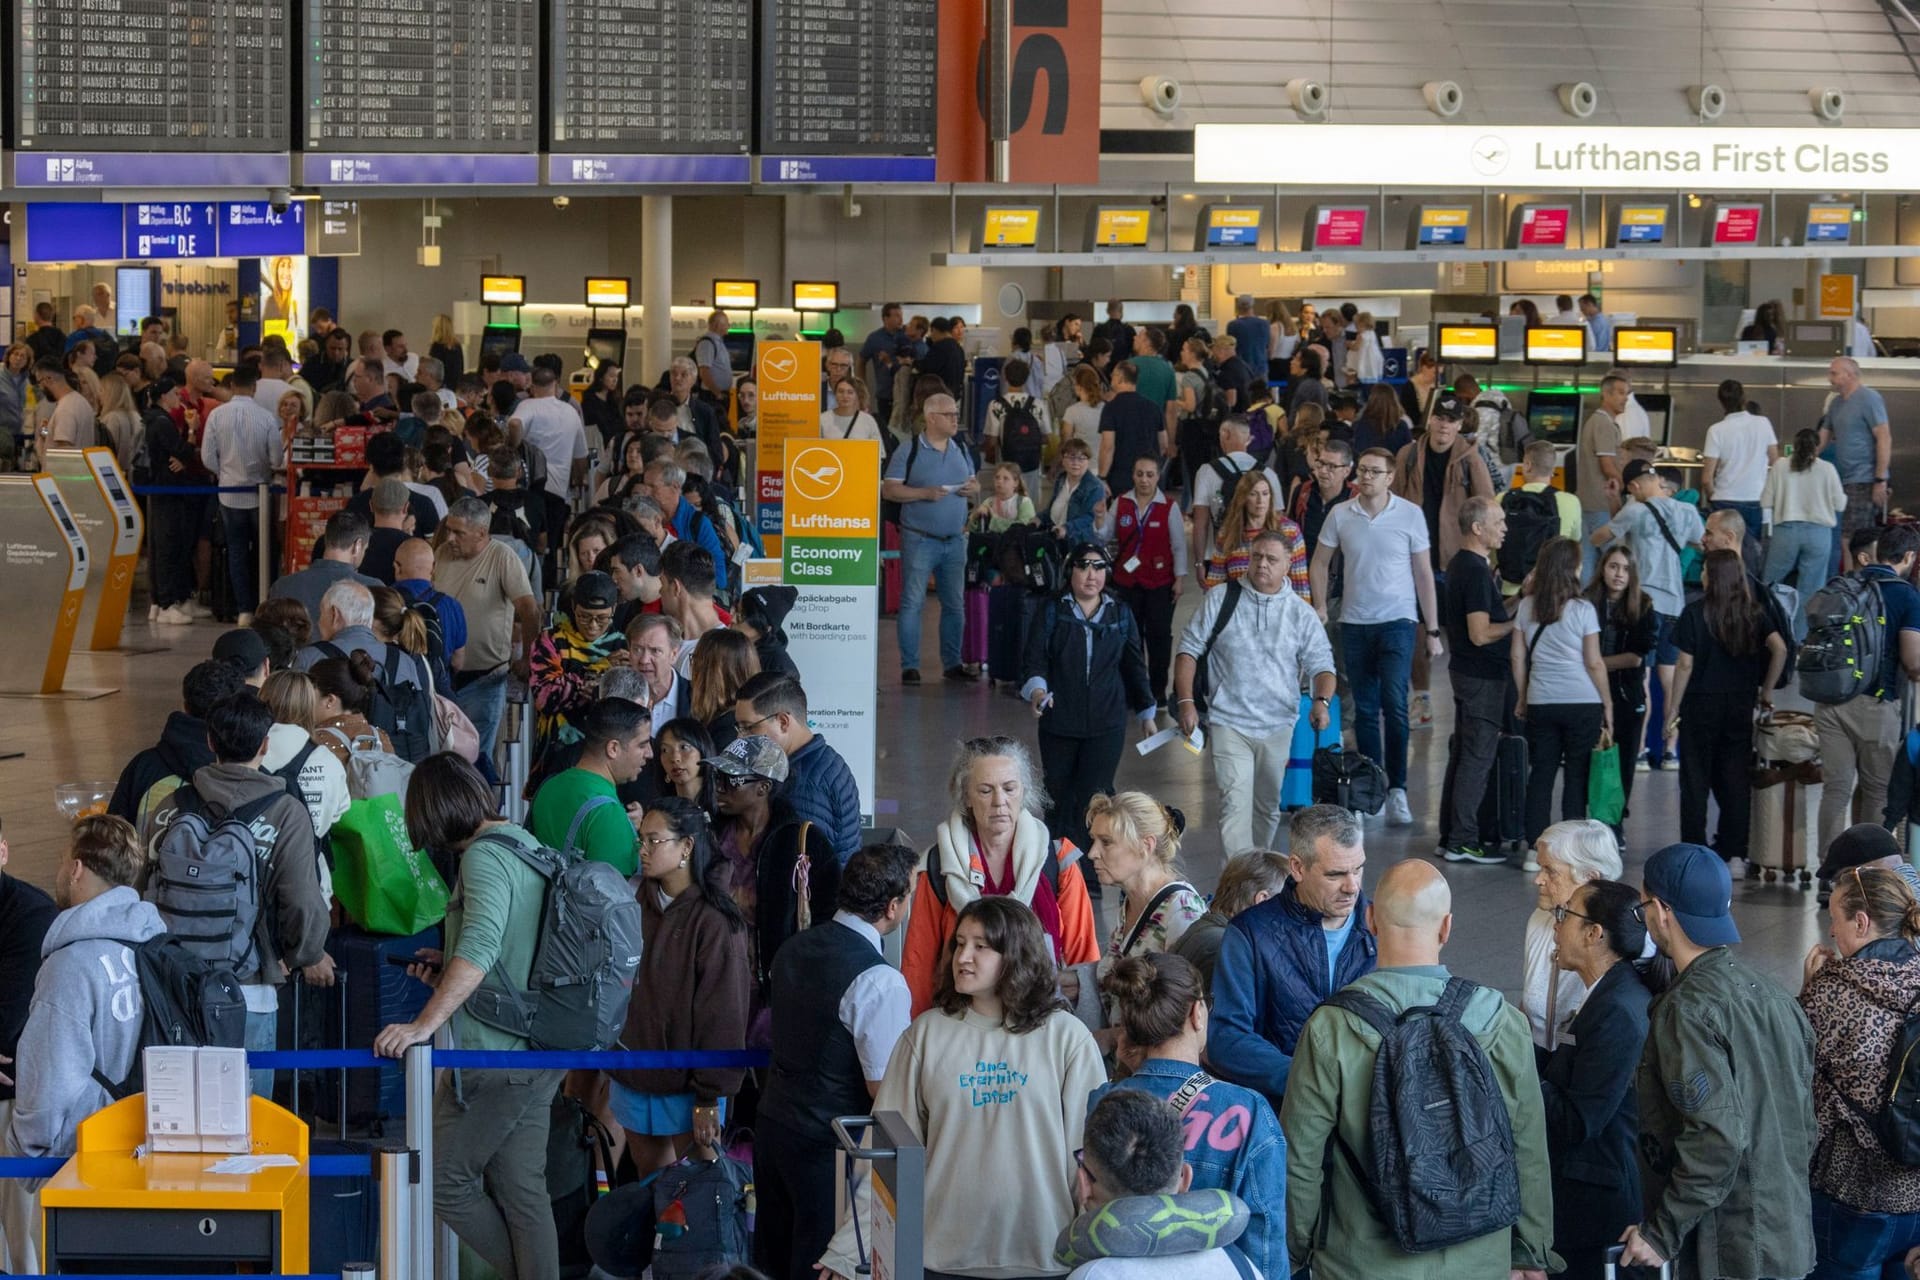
pixel 838 1009
pixel 1279 961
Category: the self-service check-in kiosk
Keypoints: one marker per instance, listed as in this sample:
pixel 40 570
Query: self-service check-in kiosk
pixel 46 563
pixel 114 1209
pixel 102 505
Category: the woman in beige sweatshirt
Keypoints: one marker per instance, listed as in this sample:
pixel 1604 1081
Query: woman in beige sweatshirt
pixel 994 1081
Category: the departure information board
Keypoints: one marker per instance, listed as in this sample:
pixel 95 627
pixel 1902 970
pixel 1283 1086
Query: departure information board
pixel 652 76
pixel 848 77
pixel 421 76
pixel 152 75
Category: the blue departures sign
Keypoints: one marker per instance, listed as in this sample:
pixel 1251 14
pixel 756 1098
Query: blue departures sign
pixel 61 232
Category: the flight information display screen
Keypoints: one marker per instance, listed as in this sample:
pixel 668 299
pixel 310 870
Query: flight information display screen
pixel 421 76
pixel 652 76
pixel 849 77
pixel 152 75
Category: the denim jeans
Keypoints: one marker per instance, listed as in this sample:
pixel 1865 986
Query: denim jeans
pixel 1748 511
pixel 945 559
pixel 1854 1244
pixel 485 702
pixel 1379 666
pixel 1797 556
pixel 243 554
pixel 1590 554
pixel 263 1036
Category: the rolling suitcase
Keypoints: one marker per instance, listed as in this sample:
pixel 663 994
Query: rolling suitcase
pixel 1296 788
pixel 343 1212
pixel 974 637
pixel 1782 840
pixel 376 995
pixel 1509 794
pixel 890 569
pixel 1007 608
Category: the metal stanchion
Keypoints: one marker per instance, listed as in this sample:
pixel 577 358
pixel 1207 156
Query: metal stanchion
pixel 360 1271
pixel 420 1141
pixel 396 1169
pixel 265 550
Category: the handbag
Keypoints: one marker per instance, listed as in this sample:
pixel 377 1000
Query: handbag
pixel 1788 737
pixel 383 883
pixel 452 729
pixel 1606 794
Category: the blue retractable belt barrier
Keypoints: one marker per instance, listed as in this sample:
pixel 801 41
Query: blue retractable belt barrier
pixel 509 1059
pixel 200 490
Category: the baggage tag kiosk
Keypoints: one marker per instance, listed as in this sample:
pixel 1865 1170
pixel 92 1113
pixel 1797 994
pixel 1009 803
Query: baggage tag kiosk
pixel 896 1235
pixel 102 505
pixel 112 1209
pixel 45 559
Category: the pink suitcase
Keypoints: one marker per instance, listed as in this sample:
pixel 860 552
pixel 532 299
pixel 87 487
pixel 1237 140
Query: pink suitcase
pixel 973 640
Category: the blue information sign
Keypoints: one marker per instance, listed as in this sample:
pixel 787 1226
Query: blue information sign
pixel 179 230
pixel 251 229
pixel 58 232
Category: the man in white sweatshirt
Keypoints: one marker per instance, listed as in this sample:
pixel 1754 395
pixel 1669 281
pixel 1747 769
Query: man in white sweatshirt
pixel 85 1017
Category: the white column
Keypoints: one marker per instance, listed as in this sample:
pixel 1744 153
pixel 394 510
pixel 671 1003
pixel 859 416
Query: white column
pixel 656 285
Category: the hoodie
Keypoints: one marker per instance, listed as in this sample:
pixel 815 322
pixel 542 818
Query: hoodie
pixel 1140 1237
pixel 85 1016
pixel 292 925
pixel 766 608
pixel 181 750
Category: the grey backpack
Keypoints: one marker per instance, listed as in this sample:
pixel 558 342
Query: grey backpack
pixel 584 963
pixel 206 877
pixel 372 770
pixel 1846 645
pixel 1441 1168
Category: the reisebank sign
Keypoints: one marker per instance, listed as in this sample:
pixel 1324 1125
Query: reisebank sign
pixel 1527 157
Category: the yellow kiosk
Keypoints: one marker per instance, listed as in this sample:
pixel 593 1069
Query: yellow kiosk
pixel 102 505
pixel 111 1210
pixel 45 561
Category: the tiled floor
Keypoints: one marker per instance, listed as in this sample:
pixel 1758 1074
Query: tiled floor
pixel 66 740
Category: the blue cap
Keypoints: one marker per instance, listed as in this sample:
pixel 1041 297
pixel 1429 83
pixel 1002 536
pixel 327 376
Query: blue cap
pixel 1693 881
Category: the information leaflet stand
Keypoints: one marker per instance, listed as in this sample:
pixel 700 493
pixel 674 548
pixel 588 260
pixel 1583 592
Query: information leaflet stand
pixel 895 1232
pixel 109 1210
pixel 97 494
pixel 45 560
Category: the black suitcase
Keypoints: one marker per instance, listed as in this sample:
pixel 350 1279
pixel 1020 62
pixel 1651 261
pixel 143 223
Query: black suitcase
pixel 1008 608
pixel 1508 793
pixel 343 1211
pixel 376 995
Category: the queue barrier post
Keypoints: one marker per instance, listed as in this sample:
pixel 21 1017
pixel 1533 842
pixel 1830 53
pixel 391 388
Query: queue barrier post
pixel 419 1140
pixel 263 550
pixel 894 1243
pixel 397 1170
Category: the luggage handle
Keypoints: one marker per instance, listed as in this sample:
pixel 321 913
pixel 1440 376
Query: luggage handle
pixel 1613 1263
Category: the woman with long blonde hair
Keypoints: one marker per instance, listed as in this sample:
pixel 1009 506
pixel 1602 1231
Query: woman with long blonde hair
pixel 120 421
pixel 1254 509
pixel 445 347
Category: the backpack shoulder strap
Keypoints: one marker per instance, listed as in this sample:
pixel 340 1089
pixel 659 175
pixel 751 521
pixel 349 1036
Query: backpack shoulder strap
pixel 1454 998
pixel 1227 606
pixel 1653 510
pixel 934 878
pixel 580 817
pixel 548 862
pixel 329 648
pixel 1366 1008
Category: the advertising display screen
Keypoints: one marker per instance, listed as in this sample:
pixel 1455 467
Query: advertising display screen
pixel 503 291
pixel 1544 226
pixel 1340 227
pixel 1829 224
pixel 1634 346
pixel 1468 343
pixel 1556 344
pixel 1233 227
pixel 1011 228
pixel 652 76
pixel 1644 224
pixel 131 75
pixel 1122 228
pixel 855 77
pixel 393 78
pixel 1736 224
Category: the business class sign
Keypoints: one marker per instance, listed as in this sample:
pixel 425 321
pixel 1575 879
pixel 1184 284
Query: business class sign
pixel 1532 157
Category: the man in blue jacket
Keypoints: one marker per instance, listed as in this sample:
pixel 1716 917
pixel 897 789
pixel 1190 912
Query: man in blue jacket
pixel 1280 960
pixel 819 786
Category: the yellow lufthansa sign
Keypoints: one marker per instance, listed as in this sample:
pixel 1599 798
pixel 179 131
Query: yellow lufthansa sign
pixel 741 294
pixel 608 291
pixel 503 291
pixel 1551 345
pixel 816 295
pixel 1643 346
pixel 1469 342
pixel 1837 297
pixel 1126 227
pixel 1017 228
pixel 831 531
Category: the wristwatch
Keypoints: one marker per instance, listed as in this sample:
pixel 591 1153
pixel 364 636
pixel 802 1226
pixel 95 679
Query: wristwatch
pixel 1434 632
pixel 1318 698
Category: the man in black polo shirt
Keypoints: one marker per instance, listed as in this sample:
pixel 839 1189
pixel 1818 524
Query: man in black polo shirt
pixel 838 1009
pixel 1478 631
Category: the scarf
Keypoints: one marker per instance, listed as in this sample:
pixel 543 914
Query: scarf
pixel 566 676
pixel 963 867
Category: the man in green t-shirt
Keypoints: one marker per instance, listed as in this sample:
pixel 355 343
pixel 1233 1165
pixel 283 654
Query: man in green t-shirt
pixel 578 810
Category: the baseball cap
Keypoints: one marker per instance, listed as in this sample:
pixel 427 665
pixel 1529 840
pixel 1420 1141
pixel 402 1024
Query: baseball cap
pixel 595 590
pixel 1450 407
pixel 1693 881
pixel 754 756
pixel 514 362
pixel 1635 469
pixel 1858 846
pixel 242 648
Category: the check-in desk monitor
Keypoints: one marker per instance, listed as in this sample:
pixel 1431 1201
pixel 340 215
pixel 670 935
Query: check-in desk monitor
pixel 1468 344
pixel 1556 344
pixel 1816 339
pixel 1228 226
pixel 1646 346
pixel 1554 415
pixel 1658 406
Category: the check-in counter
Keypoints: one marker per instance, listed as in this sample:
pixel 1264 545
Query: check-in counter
pixel 102 505
pixel 46 566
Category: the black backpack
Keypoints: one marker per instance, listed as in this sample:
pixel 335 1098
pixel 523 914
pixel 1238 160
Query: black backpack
pixel 1533 520
pixel 436 654
pixel 1895 1123
pixel 1031 557
pixel 1021 439
pixel 188 1001
pixel 405 711
pixel 1440 1139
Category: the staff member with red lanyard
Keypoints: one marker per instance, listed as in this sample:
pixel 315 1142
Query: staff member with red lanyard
pixel 1149 541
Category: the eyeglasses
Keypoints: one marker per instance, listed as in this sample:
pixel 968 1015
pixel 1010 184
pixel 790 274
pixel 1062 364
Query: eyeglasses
pixel 1561 912
pixel 1372 471
pixel 593 617
pixel 1080 1162
pixel 748 727
pixel 733 782
pixel 1640 910
pixel 1090 564
pixel 654 842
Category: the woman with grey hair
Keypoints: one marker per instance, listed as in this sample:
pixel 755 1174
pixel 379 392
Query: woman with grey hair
pixel 995 844
pixel 1570 854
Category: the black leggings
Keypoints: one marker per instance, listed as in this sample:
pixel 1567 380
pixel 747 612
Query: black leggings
pixel 1560 735
pixel 1077 770
pixel 1716 747
pixel 1628 717
pixel 1153 610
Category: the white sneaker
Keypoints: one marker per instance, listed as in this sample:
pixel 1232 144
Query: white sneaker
pixel 1531 865
pixel 174 615
pixel 194 609
pixel 1421 712
pixel 1399 813
pixel 153 612
pixel 1741 869
pixel 244 620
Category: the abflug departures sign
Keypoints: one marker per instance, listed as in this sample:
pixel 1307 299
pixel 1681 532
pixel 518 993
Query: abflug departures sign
pixel 1589 157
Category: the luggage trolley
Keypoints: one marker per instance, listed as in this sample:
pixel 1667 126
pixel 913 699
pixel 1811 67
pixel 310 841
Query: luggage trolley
pixel 892 1247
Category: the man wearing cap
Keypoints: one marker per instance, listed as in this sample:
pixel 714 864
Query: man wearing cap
pixel 1655 529
pixel 342 548
pixel 244 651
pixel 1725 1093
pixel 1864 845
pixel 578 810
pixel 518 371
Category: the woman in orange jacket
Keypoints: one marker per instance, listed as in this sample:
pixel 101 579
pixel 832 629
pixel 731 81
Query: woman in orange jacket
pixel 995 844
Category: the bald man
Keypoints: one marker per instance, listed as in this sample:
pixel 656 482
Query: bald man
pixel 1727 531
pixel 446 620
pixel 1329 1095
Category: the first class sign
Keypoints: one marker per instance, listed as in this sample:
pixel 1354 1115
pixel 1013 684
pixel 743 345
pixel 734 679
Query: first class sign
pixel 1589 157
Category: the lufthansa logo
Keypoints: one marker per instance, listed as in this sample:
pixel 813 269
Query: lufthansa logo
pixel 780 365
pixel 817 474
pixel 1490 155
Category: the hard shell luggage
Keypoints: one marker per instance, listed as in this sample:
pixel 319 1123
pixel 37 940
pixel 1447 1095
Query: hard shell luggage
pixel 1296 788
pixel 376 995
pixel 1509 792
pixel 974 637
pixel 1008 606
pixel 1782 841
pixel 343 1212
